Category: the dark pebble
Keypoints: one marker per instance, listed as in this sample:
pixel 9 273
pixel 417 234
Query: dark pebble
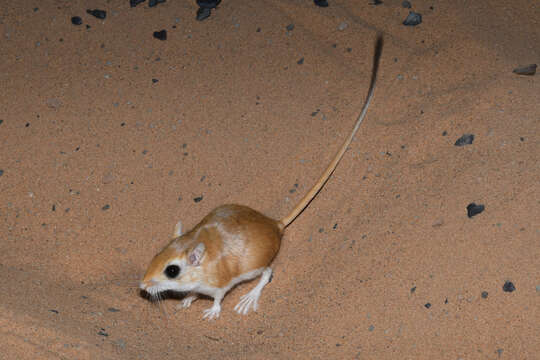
pixel 208 4
pixel 54 311
pixel 466 139
pixel 321 3
pixel 102 332
pixel 376 2
pixel 154 81
pixel 290 27
pixel 526 70
pixel 484 294
pixel 134 3
pixel 1 121
pixel 406 4
pixel 153 3
pixel 160 35
pixel 1 172
pixel 444 133
pixel 335 226
pixel 76 20
pixel 427 305
pixel 473 209
pixel 106 207
pixel 203 13
pixel 100 14
pixel 300 62
pixel 508 286
pixel 413 289
pixel 53 208
pixel 413 19
pixel 111 309
pixel 198 199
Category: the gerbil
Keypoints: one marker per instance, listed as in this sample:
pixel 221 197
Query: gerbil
pixel 232 244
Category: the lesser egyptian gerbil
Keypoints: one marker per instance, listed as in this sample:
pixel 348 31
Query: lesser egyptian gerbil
pixel 233 243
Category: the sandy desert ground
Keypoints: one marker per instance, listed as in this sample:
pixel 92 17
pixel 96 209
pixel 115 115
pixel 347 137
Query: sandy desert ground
pixel 109 136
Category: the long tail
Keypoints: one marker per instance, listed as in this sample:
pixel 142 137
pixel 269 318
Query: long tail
pixel 330 169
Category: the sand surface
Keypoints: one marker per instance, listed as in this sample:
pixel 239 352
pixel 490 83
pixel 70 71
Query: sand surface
pixel 107 135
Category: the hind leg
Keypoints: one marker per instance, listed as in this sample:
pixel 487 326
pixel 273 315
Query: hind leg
pixel 250 299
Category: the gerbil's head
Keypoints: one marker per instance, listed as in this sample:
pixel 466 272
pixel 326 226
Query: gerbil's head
pixel 177 267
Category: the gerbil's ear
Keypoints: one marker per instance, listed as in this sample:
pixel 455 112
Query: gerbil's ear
pixel 178 229
pixel 195 256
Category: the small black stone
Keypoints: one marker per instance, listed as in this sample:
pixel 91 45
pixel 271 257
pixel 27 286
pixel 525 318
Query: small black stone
pixel 413 289
pixel 321 3
pixel 406 4
pixel 444 133
pixel 154 81
pixel 1 121
pixel 100 14
pixel 198 199
pixel 76 20
pixel 54 311
pixel 484 294
pixel 134 3
pixel 102 332
pixel 427 305
pixel 473 209
pixel 106 207
pixel 413 19
pixel 508 286
pixel 160 35
pixel 376 2
pixel 153 3
pixel 526 70
pixel 1 172
pixel 335 226
pixel 53 208
pixel 290 27
pixel 466 139
pixel 203 13
pixel 111 309
pixel 208 4
pixel 300 62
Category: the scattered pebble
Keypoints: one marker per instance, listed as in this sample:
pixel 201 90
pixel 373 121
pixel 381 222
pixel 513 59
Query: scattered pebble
pixel 371 328
pixel 300 62
pixel 321 3
pixel 154 81
pixel 526 70
pixel 111 309
pixel 102 332
pixel 54 311
pixel 153 3
pixel 160 35
pixel 100 14
pixel 413 289
pixel 376 2
pixel 406 4
pixel 342 26
pixel 335 226
pixel 198 199
pixel 134 3
pixel 106 207
pixel 1 172
pixel 473 209
pixel 427 305
pixel 484 294
pixel 466 139
pixel 537 288
pixel 203 13
pixel 290 27
pixel 508 286
pixel 413 19
pixel 76 20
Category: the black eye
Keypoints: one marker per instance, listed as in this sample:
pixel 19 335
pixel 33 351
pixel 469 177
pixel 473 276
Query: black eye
pixel 172 271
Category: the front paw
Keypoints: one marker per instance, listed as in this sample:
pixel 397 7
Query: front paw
pixel 212 313
pixel 186 302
